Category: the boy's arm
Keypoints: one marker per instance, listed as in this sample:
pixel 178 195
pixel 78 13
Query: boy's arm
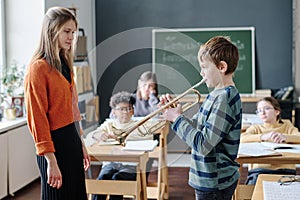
pixel 206 136
pixel 99 133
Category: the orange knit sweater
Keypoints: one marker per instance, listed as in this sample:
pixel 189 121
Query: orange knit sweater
pixel 51 103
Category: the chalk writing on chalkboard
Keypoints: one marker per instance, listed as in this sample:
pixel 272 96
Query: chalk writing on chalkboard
pixel 175 59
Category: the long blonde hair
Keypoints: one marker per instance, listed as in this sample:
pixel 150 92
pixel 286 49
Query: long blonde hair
pixel 48 49
pixel 146 76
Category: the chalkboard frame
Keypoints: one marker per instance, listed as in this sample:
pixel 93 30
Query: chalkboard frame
pixel 185 82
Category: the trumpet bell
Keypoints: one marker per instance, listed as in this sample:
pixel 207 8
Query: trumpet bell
pixel 121 138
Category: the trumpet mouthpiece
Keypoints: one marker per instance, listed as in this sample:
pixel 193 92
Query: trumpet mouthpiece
pixel 199 83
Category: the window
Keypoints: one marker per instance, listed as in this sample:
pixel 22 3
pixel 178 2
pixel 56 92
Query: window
pixel 2 37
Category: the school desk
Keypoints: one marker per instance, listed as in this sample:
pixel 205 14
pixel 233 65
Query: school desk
pixel 156 190
pixel 284 158
pixel 113 153
pixel 258 192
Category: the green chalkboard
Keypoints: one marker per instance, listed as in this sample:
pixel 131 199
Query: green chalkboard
pixel 175 57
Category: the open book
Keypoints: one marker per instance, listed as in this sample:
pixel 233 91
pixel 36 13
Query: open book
pixel 256 149
pixel 276 146
pixel 140 145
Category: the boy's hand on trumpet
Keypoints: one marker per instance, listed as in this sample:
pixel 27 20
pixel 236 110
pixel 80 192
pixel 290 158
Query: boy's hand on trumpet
pixel 173 111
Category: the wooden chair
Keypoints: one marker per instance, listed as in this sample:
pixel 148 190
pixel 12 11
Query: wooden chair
pixel 112 187
pixel 136 188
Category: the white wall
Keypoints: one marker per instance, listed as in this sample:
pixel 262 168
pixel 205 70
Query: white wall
pixel 24 22
pixel 23 25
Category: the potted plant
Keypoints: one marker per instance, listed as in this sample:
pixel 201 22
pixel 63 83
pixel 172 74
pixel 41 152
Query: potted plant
pixel 11 87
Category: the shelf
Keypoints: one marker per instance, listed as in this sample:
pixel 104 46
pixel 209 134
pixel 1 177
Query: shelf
pixel 85 96
pixel 81 63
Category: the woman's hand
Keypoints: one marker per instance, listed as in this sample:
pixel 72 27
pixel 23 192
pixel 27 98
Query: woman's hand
pixel 86 158
pixel 274 137
pixel 53 171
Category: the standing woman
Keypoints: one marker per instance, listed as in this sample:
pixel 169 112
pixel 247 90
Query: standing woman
pixel 52 109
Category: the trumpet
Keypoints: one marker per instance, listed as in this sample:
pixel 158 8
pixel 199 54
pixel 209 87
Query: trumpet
pixel 124 133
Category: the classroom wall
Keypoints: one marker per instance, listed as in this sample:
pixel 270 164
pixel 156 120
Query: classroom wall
pixel 123 36
pixel 23 25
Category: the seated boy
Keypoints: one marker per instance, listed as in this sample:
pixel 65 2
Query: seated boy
pixel 122 110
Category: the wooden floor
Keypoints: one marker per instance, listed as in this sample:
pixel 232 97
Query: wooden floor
pixel 178 185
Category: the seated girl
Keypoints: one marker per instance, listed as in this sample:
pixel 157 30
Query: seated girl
pixel 273 129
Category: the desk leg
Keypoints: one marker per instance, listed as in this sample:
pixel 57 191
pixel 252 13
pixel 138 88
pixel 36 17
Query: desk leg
pixel 164 164
pixel 144 185
pixel 142 176
pixel 164 171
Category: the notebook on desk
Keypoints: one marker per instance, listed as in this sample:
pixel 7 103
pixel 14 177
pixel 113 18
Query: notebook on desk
pixel 256 149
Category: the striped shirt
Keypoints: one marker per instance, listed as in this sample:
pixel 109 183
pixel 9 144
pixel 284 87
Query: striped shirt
pixel 214 137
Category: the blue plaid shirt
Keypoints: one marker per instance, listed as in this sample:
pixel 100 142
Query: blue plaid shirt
pixel 214 137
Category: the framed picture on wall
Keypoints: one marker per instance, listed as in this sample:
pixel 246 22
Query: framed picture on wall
pixel 18 104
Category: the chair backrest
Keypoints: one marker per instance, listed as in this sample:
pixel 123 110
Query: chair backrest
pixel 112 187
pixel 243 192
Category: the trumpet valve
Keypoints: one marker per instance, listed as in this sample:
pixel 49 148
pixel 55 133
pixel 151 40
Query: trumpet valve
pixel 173 105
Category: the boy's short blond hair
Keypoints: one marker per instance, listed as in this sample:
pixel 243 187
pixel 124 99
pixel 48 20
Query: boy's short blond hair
pixel 220 48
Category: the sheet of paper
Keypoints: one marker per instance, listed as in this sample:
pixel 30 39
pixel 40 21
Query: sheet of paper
pixel 109 142
pixel 255 149
pixel 275 191
pixel 140 145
